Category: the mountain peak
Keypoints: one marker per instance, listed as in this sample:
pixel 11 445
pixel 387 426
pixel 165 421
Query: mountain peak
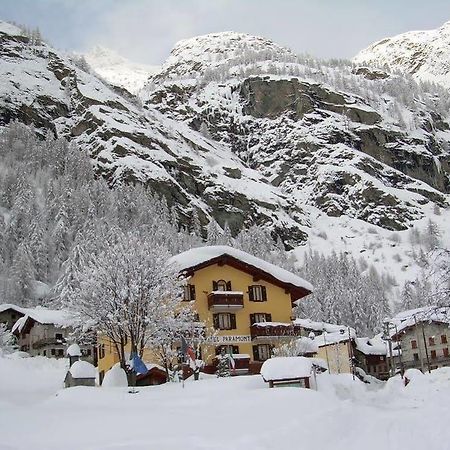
pixel 192 57
pixel 423 54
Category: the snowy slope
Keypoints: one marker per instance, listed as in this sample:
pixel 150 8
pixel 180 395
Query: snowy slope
pixel 243 130
pixel 117 70
pixel 423 54
pixel 221 413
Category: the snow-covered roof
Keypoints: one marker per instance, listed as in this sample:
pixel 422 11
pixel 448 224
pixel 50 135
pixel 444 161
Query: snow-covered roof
pixel 335 337
pixel 6 306
pixel 283 368
pixel 60 318
pixel 309 324
pixel 201 255
pixel 406 319
pixel 374 346
pixel 82 369
pixel 74 350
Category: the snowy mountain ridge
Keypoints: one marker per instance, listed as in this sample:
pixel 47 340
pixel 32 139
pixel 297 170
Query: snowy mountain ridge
pixel 237 128
pixel 117 70
pixel 423 54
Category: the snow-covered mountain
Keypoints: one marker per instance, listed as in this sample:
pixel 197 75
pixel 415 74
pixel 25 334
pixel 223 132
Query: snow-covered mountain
pixel 423 54
pixel 117 70
pixel 245 131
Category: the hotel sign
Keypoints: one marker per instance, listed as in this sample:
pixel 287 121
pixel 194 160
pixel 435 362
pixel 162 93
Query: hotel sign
pixel 235 339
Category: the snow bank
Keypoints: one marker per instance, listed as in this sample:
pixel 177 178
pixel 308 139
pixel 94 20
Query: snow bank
pixel 200 255
pixel 28 380
pixel 281 368
pixel 115 377
pixel 83 369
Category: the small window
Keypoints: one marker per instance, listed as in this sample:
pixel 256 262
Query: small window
pixel 88 352
pixel 53 352
pixel 233 349
pixel 261 352
pixel 445 352
pixel 444 339
pixel 58 336
pixel 257 293
pixel 260 317
pixel 60 352
pixel 413 343
pixel 431 340
pixel 45 353
pixel 224 321
pixel 433 354
pixel 221 285
pixel 189 293
pixel 416 356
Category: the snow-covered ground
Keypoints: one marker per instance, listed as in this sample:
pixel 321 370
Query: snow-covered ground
pixel 231 413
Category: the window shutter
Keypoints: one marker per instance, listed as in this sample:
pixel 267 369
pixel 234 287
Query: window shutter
pixel 235 349
pixel 215 286
pixel 228 285
pixel 216 321
pixel 250 293
pixel 252 319
pixel 264 293
pixel 233 321
pixel 192 289
pixel 268 317
pixel 255 353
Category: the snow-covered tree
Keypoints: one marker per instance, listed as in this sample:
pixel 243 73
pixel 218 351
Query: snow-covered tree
pixel 7 340
pixel 128 293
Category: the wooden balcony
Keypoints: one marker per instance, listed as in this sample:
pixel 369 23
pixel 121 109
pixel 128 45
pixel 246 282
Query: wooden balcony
pixel 271 330
pixel 47 341
pixel 225 300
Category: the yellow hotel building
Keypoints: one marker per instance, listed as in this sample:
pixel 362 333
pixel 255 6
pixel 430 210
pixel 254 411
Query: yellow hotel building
pixel 245 300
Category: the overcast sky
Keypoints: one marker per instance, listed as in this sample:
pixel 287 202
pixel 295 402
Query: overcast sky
pixel 146 30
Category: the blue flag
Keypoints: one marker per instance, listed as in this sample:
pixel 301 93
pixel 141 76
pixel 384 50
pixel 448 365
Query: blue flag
pixel 138 366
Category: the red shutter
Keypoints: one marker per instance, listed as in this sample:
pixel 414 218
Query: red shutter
pixel 250 293
pixel 264 293
pixel 192 291
pixel 215 286
pixel 233 321
pixel 228 285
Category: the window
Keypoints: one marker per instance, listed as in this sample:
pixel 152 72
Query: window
pixel 58 336
pixel 60 352
pixel 224 321
pixel 101 351
pixel 88 352
pixel 261 352
pixel 416 356
pixel 444 339
pixel 53 352
pixel 257 293
pixel 233 349
pixel 45 353
pixel 260 317
pixel 189 293
pixel 413 343
pixel 433 354
pixel 221 285
pixel 445 352
pixel 431 340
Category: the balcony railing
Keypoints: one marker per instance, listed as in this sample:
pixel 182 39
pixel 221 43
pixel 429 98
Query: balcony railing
pixel 271 330
pixel 48 341
pixel 225 299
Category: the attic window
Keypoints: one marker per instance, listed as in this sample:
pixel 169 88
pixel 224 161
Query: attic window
pixel 221 285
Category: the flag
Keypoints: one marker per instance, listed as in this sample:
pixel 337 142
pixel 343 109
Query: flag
pixel 231 359
pixel 138 366
pixel 187 349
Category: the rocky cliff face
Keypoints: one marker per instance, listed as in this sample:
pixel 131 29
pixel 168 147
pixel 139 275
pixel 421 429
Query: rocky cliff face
pixel 244 131
pixel 423 54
